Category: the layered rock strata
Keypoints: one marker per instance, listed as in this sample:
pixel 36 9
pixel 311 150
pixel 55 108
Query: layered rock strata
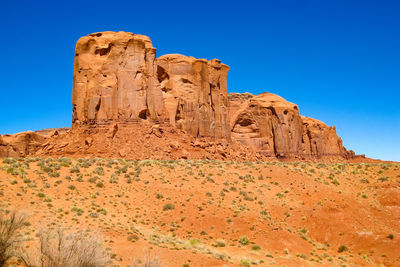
pixel 319 139
pixel 271 125
pixel 195 94
pixel 117 78
pixel 119 86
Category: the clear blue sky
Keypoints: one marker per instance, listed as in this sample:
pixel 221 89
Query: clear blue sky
pixel 338 60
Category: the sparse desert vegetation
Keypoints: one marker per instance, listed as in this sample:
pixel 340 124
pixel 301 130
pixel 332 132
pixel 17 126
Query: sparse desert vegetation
pixel 198 213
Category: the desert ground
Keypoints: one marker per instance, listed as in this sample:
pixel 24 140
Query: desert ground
pixel 213 213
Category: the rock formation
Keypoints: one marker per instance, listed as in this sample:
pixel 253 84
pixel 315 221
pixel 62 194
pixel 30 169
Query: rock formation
pixel 271 125
pixel 115 79
pixel 128 103
pixel 118 79
pixel 321 140
pixel 6 150
pixel 21 144
pixel 236 100
pixel 195 94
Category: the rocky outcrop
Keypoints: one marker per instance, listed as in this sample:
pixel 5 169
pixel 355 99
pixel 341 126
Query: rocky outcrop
pixel 20 144
pixel 271 125
pixel 128 103
pixel 115 79
pixel 195 94
pixel 118 79
pixel 6 150
pixel 320 139
pixel 268 123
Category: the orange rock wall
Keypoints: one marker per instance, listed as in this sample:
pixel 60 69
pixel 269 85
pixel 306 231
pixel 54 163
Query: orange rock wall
pixel 195 94
pixel 271 125
pixel 117 78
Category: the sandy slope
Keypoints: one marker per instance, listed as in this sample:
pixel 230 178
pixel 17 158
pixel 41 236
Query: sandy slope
pixel 293 214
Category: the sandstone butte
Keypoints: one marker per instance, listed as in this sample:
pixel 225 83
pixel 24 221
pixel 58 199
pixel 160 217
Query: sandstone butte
pixel 128 103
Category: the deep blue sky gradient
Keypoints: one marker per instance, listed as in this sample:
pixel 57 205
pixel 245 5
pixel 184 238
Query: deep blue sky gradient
pixel 338 60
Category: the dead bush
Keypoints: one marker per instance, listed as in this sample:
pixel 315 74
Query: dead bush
pixel 147 261
pixel 9 240
pixel 57 248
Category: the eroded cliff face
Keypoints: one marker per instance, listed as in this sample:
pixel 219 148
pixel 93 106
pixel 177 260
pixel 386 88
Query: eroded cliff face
pixel 195 94
pixel 268 123
pixel 122 92
pixel 320 139
pixel 271 125
pixel 115 79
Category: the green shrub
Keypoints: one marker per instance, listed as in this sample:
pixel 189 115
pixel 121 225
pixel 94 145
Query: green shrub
pixel 77 210
pixel 244 262
pixel 93 179
pixel 168 206
pixel 99 171
pixel 133 238
pixel 74 170
pixel 342 248
pixel 220 243
pixel 244 240
pixel 194 242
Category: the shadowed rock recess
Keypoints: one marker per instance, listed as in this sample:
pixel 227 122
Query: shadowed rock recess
pixel 120 86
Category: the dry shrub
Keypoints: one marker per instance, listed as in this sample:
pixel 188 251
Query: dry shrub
pixel 60 249
pixel 9 240
pixel 146 261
